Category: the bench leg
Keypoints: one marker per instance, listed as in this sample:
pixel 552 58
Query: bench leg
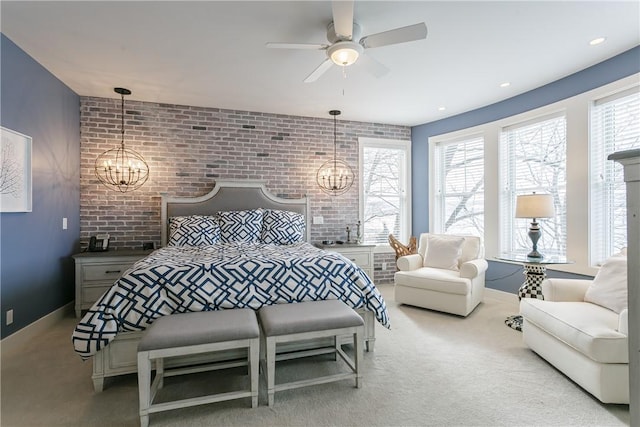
pixel 160 372
pixel 358 344
pixel 270 357
pixel 144 386
pixel 254 371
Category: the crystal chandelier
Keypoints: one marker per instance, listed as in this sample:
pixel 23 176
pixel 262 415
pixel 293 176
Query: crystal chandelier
pixel 335 176
pixel 122 169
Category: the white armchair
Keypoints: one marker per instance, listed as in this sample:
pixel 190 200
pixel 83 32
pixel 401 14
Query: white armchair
pixel 581 328
pixel 447 274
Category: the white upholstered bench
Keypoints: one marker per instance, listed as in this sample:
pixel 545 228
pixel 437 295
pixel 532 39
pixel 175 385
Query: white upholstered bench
pixel 282 323
pixel 195 333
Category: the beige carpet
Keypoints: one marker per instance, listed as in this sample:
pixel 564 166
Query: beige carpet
pixel 430 369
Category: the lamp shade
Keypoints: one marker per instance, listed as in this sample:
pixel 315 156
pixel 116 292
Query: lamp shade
pixel 535 206
pixel 344 53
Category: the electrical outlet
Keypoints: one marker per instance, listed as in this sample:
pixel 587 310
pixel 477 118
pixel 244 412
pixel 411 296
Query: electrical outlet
pixel 9 317
pixel 384 265
pixel 64 223
pixel 318 220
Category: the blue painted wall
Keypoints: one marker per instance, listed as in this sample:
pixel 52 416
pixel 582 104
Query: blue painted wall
pixel 499 274
pixel 36 271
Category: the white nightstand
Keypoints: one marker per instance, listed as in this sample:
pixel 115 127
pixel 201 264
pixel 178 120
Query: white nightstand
pixel 362 255
pixel 97 271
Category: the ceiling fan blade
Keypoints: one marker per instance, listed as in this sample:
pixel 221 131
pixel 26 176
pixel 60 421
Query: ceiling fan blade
pixel 343 18
pixel 308 46
pixel 373 66
pixel 399 35
pixel 322 68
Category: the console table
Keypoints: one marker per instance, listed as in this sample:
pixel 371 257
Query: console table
pixel 535 270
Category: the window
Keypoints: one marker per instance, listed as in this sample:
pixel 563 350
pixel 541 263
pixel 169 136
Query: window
pixel 459 187
pixel 615 126
pixel 385 184
pixel 533 159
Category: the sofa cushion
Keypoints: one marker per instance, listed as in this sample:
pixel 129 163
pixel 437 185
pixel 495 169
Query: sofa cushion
pixel 609 287
pixel 434 279
pixel 443 251
pixel 588 328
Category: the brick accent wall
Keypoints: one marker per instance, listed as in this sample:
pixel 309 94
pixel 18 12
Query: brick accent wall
pixel 188 148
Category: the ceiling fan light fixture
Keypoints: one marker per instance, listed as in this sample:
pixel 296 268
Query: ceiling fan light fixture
pixel 345 53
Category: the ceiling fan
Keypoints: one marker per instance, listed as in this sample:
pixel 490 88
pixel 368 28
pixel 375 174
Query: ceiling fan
pixel 346 46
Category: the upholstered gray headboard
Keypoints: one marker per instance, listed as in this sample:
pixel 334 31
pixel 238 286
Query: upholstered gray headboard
pixel 230 196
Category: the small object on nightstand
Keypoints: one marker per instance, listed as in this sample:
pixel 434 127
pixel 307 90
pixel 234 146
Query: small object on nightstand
pixel 359 232
pixel 327 242
pixel 348 234
pixel 339 242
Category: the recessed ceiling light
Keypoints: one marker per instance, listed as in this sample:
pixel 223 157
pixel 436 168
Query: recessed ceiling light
pixel 597 41
pixel 442 108
pixel 505 84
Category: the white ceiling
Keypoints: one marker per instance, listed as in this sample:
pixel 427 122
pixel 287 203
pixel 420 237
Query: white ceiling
pixel 212 53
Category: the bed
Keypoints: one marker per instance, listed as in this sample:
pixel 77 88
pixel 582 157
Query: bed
pixel 249 263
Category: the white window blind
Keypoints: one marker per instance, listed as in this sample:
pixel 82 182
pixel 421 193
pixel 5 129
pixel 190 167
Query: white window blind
pixel 385 186
pixel 615 126
pixel 533 159
pixel 459 185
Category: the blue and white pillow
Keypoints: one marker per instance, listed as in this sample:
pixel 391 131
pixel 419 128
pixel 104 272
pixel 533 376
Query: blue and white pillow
pixel 282 227
pixel 240 226
pixel 193 230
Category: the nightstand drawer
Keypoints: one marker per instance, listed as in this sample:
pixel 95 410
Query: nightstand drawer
pixel 362 259
pixel 104 272
pixel 97 271
pixel 93 293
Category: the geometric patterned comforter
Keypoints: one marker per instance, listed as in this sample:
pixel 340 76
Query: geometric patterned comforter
pixel 226 275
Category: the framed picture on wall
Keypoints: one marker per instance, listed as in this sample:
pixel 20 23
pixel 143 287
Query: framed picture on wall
pixel 15 171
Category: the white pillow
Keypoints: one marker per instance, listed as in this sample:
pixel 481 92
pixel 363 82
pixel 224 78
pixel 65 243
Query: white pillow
pixel 443 252
pixel 609 287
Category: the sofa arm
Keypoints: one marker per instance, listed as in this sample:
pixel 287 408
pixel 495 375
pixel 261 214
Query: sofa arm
pixel 623 322
pixel 473 268
pixel 565 289
pixel 409 262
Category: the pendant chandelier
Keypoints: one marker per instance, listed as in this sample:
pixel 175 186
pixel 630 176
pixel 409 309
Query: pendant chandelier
pixel 335 176
pixel 122 169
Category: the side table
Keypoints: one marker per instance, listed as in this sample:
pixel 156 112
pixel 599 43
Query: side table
pixel 97 271
pixel 535 271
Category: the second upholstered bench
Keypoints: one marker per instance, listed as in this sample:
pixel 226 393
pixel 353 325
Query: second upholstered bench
pixel 282 323
pixel 194 333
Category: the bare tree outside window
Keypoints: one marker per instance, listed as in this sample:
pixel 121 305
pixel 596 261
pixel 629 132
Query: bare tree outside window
pixel 615 126
pixel 535 161
pixel 460 187
pixel 384 194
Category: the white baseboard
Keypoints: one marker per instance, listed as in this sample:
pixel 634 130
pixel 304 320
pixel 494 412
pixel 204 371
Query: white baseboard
pixel 18 339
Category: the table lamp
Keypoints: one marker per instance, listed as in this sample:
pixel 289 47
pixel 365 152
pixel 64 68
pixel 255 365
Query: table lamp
pixel 534 206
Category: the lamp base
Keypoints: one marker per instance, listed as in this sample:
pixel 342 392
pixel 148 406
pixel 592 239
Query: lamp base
pixel 535 254
pixel 534 235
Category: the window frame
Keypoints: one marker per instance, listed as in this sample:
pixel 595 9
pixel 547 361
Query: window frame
pixel 512 227
pixel 600 192
pixel 396 144
pixel 437 211
pixel 577 111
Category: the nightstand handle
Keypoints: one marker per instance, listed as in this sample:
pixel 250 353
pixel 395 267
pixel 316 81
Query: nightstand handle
pixel 111 271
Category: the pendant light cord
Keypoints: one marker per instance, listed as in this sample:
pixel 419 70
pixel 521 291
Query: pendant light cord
pixel 122 117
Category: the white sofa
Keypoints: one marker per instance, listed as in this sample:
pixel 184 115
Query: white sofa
pixel 584 340
pixel 447 274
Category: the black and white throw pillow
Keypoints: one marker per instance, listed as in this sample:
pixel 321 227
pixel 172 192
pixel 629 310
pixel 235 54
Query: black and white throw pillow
pixel 193 230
